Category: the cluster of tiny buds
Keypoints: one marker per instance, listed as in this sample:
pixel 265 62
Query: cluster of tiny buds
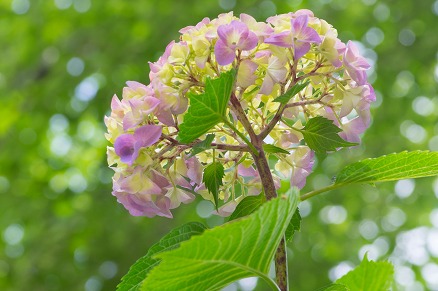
pixel 155 172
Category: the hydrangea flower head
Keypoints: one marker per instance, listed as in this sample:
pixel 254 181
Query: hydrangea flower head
pixel 155 172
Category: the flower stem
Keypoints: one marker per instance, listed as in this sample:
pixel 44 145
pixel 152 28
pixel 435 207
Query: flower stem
pixel 261 162
pixel 270 192
pixel 319 191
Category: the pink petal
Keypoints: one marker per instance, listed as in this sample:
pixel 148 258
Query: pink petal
pixel 267 85
pixel 309 35
pixel 283 39
pixel 124 148
pixel 249 42
pixel 298 24
pixel 165 116
pixel 147 135
pixel 224 54
pixel 300 49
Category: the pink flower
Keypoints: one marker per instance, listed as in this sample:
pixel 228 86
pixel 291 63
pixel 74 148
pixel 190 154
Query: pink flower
pixel 140 109
pixel 232 37
pixel 298 38
pixel 141 207
pixel 276 72
pixel 142 193
pixel 303 162
pixel 127 146
pixel 351 129
pixel 261 29
pixel 355 64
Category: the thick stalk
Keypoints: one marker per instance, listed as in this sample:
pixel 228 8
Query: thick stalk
pixel 265 174
pixel 270 192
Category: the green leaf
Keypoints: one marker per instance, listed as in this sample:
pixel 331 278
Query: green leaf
pixel 212 179
pixel 404 165
pixel 236 250
pixel 334 287
pixel 137 273
pixel 294 226
pixel 369 276
pixel 283 99
pixel 272 149
pixel 207 109
pixel 321 135
pixel 203 145
pixel 247 206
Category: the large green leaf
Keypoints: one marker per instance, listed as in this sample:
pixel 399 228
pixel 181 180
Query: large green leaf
pixel 207 109
pixel 321 135
pixel 239 249
pixel 247 206
pixel 392 167
pixel 334 287
pixel 212 179
pixel 369 276
pixel 137 273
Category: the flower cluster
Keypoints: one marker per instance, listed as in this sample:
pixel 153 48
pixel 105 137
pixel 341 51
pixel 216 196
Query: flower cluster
pixel 154 172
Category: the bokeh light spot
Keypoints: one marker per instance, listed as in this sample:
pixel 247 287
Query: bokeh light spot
pixel 404 276
pixel 61 144
pixel 430 275
pixel 13 234
pixel 14 251
pixel 63 4
pixel 58 183
pixel 433 216
pixel 435 7
pixel 432 242
pixel 412 131
pixel 82 6
pixel 75 66
pixel 248 284
pixel 404 82
pixel 433 143
pixel 368 229
pixel 381 12
pixel 340 270
pixel 404 188
pixel 59 123
pixel 406 37
pixel 227 4
pixel 411 246
pixel 108 269
pixel 93 284
pixel 20 6
pixel 394 219
pixel 204 209
pixel 423 106
pixel 305 208
pixel 369 2
pixel 333 214
pixel 87 89
pixel 374 36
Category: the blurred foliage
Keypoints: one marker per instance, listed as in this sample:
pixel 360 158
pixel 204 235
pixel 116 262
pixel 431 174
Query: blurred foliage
pixel 62 61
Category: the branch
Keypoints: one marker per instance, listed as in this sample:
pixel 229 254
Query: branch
pixel 241 116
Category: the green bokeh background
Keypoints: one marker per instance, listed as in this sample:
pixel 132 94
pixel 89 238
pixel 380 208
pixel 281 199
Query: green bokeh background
pixel 61 61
